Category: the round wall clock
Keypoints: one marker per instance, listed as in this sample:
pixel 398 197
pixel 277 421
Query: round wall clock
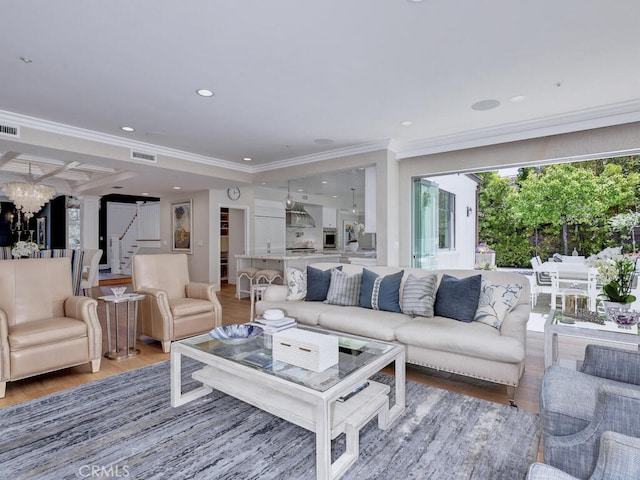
pixel 233 193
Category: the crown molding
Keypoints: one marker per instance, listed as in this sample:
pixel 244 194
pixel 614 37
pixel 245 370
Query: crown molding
pixel 327 155
pixel 113 140
pixel 606 116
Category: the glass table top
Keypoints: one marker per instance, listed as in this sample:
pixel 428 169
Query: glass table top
pixel 354 353
pixel 604 324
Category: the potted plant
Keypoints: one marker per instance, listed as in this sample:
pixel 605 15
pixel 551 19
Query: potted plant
pixel 615 272
pixel 354 233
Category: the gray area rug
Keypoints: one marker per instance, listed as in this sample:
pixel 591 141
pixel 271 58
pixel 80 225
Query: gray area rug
pixel 124 427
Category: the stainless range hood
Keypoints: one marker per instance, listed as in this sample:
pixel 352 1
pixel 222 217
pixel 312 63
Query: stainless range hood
pixel 299 217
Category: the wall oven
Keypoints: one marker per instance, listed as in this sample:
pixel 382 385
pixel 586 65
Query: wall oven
pixel 329 238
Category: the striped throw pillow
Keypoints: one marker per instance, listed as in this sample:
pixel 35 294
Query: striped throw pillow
pixel 344 289
pixel 419 295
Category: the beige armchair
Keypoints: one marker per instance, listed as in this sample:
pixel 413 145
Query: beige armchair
pixel 43 326
pixel 173 307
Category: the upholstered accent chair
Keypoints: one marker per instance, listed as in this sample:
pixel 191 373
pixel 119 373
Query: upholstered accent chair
pixel 173 307
pixel 90 270
pixel 577 407
pixel 619 459
pixel 43 326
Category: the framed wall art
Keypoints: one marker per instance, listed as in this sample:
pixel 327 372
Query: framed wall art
pixel 182 226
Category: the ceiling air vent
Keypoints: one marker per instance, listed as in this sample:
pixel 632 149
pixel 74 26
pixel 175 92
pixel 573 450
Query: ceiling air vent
pixel 147 157
pixel 9 131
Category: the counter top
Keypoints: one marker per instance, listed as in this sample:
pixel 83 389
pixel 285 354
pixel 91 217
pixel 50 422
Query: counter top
pixel 289 256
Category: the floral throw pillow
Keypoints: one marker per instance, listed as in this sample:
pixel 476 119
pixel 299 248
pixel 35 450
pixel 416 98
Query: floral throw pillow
pixel 296 283
pixel 495 302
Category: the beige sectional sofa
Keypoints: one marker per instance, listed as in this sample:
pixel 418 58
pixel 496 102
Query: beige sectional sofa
pixel 472 349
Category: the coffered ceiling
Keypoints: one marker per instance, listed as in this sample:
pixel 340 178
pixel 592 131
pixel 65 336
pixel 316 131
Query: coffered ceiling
pixel 296 80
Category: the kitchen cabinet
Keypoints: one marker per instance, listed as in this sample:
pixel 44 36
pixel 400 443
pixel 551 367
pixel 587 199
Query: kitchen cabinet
pixel 329 217
pixel 269 227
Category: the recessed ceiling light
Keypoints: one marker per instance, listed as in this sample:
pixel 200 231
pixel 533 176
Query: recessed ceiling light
pixel 324 182
pixel 518 98
pixel 485 105
pixel 247 159
pixel 301 190
pixel 26 59
pixel 323 141
pixel 406 123
pixel 204 92
pixel 145 194
pixel 128 129
pixel 177 188
pixel 334 196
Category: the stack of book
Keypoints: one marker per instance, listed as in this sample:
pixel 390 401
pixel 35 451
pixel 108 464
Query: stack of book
pixel 272 326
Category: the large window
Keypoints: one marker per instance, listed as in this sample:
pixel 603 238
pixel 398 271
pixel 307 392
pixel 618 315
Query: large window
pixel 446 220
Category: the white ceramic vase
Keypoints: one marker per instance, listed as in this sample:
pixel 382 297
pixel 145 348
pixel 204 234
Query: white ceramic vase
pixel 353 246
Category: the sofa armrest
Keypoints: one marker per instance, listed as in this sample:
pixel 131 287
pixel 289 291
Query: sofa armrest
pixel 5 366
pixel 156 299
pixel 615 411
pixel 86 309
pixel 275 293
pixel 541 471
pixel 612 363
pixel 204 291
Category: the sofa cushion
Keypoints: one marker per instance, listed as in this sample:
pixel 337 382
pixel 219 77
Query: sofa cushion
pixel 381 293
pixel 472 339
pixel 495 302
pixel 296 283
pixel 458 298
pixel 181 307
pixel 344 289
pixel 318 282
pixel 48 330
pixel 367 323
pixel 419 295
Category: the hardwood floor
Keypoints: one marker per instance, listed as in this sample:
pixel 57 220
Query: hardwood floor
pixel 237 311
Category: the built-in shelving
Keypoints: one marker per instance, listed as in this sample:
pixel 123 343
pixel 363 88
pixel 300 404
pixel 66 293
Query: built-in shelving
pixel 224 244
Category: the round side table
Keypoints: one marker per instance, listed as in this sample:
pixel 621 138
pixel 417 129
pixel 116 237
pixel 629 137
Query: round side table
pixel 131 299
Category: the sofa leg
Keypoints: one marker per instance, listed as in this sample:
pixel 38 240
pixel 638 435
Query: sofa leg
pixel 95 365
pixel 3 389
pixel 511 394
pixel 166 346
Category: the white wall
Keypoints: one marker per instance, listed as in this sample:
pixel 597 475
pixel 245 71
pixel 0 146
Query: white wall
pixel 462 255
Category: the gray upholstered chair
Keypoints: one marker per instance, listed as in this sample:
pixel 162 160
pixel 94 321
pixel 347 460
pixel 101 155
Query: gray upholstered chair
pixel 173 307
pixel 576 408
pixel 619 459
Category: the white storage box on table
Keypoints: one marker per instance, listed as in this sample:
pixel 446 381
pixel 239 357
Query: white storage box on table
pixel 302 348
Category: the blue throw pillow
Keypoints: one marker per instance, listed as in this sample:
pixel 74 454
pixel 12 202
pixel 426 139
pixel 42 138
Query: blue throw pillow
pixel 457 298
pixel 381 293
pixel 318 282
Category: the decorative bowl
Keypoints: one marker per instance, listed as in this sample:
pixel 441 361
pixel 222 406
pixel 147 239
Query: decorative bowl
pixel 273 314
pixel 622 314
pixel 119 291
pixel 235 334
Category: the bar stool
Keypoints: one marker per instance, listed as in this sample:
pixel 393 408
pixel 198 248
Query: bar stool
pixel 268 276
pixel 250 274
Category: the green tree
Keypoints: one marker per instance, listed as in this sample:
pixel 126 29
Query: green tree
pixel 495 221
pixel 560 196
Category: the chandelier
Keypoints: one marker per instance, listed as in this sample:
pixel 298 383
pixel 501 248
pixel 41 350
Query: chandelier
pixel 28 197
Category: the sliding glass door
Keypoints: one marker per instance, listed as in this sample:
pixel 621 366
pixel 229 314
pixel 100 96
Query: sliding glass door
pixel 425 223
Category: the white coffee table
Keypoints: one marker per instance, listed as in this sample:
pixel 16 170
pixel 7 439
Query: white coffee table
pixel 557 324
pixel 302 397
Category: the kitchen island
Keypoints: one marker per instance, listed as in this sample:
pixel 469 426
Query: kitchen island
pixel 279 261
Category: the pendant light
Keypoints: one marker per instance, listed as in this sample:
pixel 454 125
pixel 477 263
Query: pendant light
pixel 288 203
pixel 354 207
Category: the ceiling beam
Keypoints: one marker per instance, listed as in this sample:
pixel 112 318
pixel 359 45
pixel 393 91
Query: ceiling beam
pixel 7 157
pixel 55 172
